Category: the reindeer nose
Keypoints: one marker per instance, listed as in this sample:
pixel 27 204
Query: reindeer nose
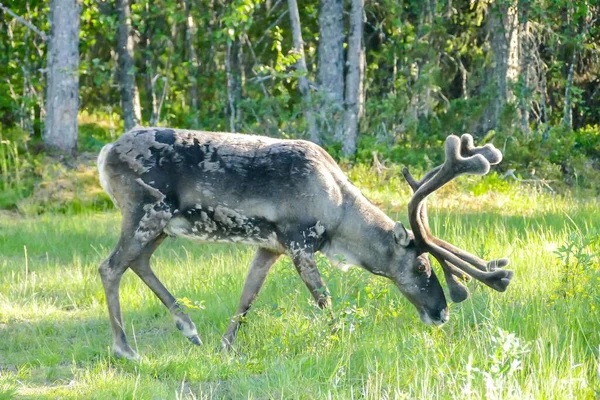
pixel 444 315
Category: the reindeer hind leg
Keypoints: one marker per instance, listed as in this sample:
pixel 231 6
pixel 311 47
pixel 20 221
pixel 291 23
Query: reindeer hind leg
pixel 111 272
pixel 139 229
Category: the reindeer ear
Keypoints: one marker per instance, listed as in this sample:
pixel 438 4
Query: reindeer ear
pixel 401 234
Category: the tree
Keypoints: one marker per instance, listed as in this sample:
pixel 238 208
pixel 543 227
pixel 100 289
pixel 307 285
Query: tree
pixel 525 61
pixel 303 86
pixel 190 35
pixel 434 67
pixel 502 27
pixel 331 65
pixel 585 23
pixel 234 68
pixel 130 99
pixel 354 77
pixel 62 92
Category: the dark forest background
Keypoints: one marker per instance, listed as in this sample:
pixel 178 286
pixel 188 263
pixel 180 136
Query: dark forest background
pixel 386 76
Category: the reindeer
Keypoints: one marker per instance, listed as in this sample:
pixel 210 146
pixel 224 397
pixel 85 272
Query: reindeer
pixel 284 197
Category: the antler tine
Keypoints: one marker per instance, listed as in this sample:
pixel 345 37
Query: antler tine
pixel 467 149
pixel 458 291
pixel 472 259
pixel 497 280
pixel 454 166
pixel 461 157
pixel 413 183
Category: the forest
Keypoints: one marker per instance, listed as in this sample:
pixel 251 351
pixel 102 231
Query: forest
pixel 394 77
pixel 379 85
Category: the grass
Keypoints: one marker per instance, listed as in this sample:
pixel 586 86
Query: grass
pixel 538 340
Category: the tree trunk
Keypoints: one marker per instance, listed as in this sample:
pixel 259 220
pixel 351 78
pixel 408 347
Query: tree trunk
pixel 567 121
pixel 149 65
pixel 62 92
pixel 362 88
pixel 233 64
pixel 156 111
pixel 578 40
pixel 354 77
pixel 26 111
pixel 130 99
pixel 190 35
pixel 525 65
pixel 502 27
pixel 303 86
pixel 331 65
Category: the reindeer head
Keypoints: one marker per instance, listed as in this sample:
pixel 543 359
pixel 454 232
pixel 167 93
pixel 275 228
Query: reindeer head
pixel 426 293
pixel 416 279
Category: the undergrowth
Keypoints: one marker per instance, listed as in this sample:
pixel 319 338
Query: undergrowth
pixel 562 165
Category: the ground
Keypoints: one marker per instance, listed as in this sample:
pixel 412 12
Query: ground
pixel 540 339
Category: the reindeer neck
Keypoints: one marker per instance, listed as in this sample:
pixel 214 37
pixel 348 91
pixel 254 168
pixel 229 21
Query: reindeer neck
pixel 363 238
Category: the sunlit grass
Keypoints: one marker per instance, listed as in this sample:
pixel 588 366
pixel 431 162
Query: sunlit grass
pixel 529 342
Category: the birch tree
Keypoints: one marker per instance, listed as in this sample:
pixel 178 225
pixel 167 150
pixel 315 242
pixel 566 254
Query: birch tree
pixel 502 27
pixel 303 85
pixel 190 34
pixel 62 90
pixel 354 77
pixel 331 65
pixel 130 99
pixel 233 68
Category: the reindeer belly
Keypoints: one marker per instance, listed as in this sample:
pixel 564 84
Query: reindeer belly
pixel 223 225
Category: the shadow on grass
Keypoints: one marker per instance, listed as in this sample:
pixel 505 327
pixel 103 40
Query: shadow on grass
pixel 62 242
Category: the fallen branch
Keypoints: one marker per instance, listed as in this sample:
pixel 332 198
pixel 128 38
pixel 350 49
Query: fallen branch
pixel 542 182
pixel 378 164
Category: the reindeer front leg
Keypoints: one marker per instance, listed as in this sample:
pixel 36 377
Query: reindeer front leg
pixel 307 269
pixel 260 267
pixel 141 266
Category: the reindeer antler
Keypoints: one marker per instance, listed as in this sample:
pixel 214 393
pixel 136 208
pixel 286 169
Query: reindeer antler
pixel 462 157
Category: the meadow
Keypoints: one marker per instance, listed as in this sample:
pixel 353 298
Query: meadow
pixel 538 340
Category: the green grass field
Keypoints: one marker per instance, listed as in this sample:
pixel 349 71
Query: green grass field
pixel 540 339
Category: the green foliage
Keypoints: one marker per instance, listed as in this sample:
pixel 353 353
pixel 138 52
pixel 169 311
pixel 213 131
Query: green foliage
pixel 492 182
pixel 505 361
pixel 239 17
pixel 579 263
pixel 587 141
pixel 16 167
pixel 429 73
pixel 569 157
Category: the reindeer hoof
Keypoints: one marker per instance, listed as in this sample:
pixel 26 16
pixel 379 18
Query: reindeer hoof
pixel 195 339
pixel 226 344
pixel 126 353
